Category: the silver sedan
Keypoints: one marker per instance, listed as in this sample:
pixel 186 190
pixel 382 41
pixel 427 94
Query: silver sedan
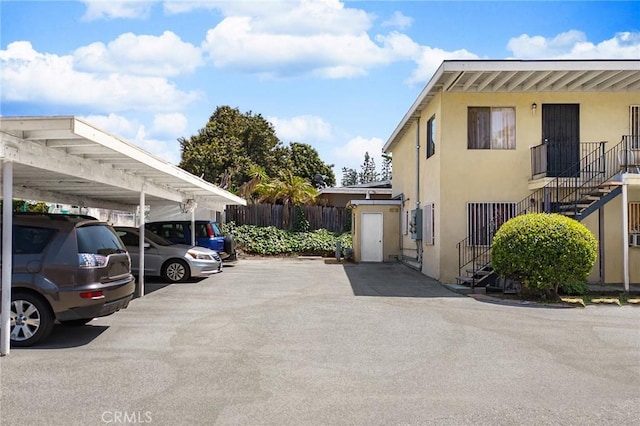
pixel 174 262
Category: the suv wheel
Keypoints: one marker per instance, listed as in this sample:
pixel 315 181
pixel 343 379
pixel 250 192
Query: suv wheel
pixel 31 319
pixel 175 271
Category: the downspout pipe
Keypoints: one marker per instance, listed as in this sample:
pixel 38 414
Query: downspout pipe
pixel 417 199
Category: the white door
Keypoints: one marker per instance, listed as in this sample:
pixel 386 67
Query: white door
pixel 371 241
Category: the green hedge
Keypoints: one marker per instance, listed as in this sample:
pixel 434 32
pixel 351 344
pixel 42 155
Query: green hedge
pixel 544 251
pixel 270 240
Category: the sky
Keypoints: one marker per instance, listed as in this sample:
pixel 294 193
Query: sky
pixel 337 75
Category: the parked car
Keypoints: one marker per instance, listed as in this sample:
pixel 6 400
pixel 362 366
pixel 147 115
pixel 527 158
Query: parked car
pixel 68 268
pixel 174 262
pixel 208 234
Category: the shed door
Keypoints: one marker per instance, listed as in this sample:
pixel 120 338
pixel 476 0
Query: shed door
pixel 371 241
pixel 561 133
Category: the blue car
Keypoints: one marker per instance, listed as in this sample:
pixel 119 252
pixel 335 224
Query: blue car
pixel 208 234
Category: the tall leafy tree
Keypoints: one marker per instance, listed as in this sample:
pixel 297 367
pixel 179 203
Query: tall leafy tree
pixel 307 164
pixel 349 177
pixel 231 144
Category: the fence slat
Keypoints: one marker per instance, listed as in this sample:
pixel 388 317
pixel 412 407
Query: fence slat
pixel 333 219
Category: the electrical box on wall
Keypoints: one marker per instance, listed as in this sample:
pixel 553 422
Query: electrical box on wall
pixel 415 225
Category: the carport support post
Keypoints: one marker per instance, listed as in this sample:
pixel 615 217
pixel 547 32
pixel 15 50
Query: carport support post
pixel 141 243
pixel 7 228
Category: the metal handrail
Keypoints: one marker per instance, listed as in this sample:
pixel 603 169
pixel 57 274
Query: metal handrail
pixel 563 194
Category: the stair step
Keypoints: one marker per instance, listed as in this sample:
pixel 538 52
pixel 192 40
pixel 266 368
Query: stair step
pixel 479 272
pixel 574 206
pixel 465 279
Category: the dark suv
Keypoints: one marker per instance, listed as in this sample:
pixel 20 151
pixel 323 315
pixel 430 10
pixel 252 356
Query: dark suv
pixel 67 268
pixel 208 234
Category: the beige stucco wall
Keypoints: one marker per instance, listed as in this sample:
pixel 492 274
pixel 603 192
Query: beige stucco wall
pixel 456 175
pixel 390 229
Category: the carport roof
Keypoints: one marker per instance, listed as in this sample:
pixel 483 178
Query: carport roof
pixel 67 160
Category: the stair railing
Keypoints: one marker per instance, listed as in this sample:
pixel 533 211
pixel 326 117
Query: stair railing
pixel 562 194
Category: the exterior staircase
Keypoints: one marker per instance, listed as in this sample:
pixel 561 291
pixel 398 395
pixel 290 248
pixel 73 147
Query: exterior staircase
pixel 583 189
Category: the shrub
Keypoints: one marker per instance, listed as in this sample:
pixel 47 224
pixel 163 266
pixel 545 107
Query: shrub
pixel 573 288
pixel 544 250
pixel 269 240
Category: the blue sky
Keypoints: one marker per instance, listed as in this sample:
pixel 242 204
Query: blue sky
pixel 338 75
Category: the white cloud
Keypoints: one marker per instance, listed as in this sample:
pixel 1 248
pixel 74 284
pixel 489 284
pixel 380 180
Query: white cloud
pixel 351 155
pixel 172 125
pixel 574 45
pixel 303 128
pixel 314 38
pixel 30 76
pixel 429 59
pixel 160 141
pixel 165 55
pixel 398 20
pixel 111 9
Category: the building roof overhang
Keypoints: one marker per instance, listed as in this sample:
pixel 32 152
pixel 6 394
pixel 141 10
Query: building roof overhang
pixel 512 76
pixel 65 159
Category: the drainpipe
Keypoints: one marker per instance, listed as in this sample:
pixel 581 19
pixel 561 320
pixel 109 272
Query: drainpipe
pixel 418 242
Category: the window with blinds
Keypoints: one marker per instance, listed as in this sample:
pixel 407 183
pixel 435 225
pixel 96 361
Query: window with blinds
pixel 634 126
pixel 634 217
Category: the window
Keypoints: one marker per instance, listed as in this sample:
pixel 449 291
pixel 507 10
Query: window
pixel 98 239
pixel 428 224
pixel 129 239
pixel 431 136
pixel 484 219
pixel 491 128
pixel 31 240
pixel 634 126
pixel 634 217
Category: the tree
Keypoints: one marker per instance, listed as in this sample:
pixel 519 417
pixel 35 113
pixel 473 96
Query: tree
pixel 368 171
pixel 349 177
pixel 544 251
pixel 386 174
pixel 230 145
pixel 289 190
pixel 257 176
pixel 307 164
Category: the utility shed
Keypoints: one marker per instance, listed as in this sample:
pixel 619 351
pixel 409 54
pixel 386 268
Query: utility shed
pixel 375 227
pixel 67 160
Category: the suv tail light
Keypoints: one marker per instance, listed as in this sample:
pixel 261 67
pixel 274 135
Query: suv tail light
pixel 97 294
pixel 90 260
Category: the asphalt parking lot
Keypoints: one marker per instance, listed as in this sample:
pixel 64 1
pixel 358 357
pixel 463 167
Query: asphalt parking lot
pixel 304 342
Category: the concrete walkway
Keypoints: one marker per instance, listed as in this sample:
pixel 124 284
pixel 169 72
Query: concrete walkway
pixel 303 342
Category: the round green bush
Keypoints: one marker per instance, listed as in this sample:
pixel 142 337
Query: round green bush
pixel 544 250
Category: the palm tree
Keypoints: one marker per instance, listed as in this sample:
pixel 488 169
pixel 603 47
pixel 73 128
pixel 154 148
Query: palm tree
pixel 258 176
pixel 290 190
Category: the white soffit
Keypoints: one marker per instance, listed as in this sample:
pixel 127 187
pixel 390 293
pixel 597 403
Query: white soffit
pixel 513 76
pixel 67 160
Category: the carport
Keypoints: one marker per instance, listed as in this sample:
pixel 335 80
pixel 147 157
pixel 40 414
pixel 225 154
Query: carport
pixel 67 160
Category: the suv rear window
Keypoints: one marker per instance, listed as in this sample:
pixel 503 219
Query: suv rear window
pixel 98 239
pixel 31 240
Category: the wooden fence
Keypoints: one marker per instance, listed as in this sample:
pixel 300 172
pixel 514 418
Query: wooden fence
pixel 334 219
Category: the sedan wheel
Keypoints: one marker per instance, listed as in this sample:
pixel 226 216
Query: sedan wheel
pixel 31 319
pixel 175 271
